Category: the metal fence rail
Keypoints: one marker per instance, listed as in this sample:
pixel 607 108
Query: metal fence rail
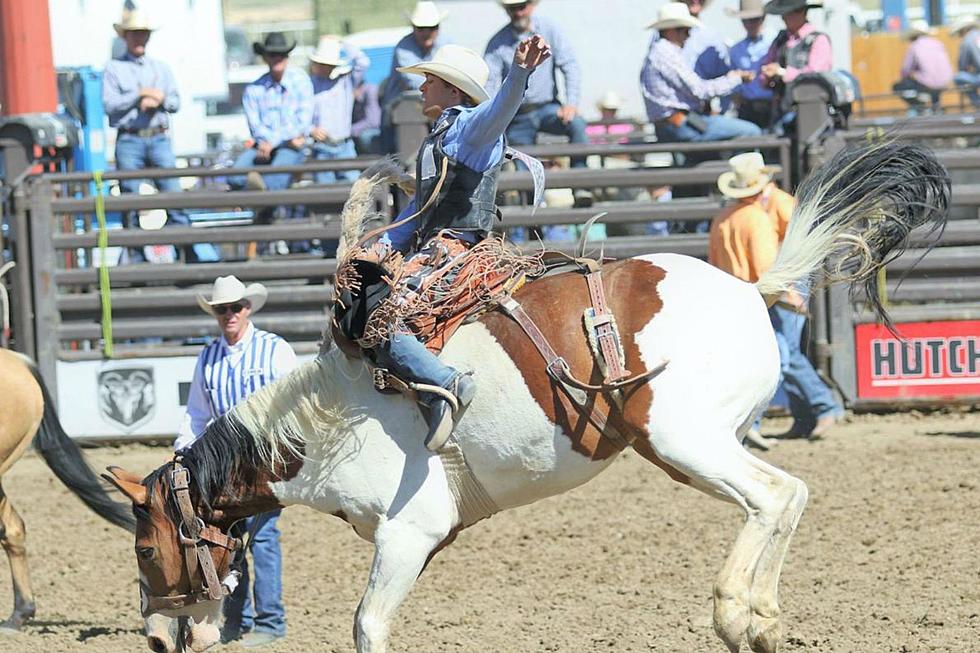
pixel 59 309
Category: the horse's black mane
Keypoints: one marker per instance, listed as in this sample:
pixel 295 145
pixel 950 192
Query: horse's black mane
pixel 223 450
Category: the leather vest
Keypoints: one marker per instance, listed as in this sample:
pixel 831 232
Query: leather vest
pixel 798 55
pixel 467 199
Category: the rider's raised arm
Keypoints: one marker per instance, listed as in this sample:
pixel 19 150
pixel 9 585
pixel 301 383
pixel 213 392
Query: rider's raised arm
pixel 488 122
pixel 485 124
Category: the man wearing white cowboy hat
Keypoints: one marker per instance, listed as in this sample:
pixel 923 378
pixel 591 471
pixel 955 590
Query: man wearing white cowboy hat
pixel 541 110
pixel 798 49
pixel 335 77
pixel 139 94
pixel 237 363
pixel 279 109
pixel 926 69
pixel 743 241
pixel 968 61
pixel 418 46
pixel 467 147
pixel 674 94
pixel 753 99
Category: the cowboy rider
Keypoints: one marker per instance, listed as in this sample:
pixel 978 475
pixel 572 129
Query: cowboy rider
pixel 466 150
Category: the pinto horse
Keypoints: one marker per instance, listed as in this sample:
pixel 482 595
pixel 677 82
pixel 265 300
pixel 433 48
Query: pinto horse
pixel 323 437
pixel 27 414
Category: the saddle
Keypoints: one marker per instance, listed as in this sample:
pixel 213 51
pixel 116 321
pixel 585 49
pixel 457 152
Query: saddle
pixel 450 283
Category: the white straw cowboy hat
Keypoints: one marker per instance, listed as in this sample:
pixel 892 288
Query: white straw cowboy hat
pixel 919 27
pixel 426 14
pixel 962 23
pixel 748 176
pixel 674 14
pixel 517 2
pixel 747 9
pixel 134 20
pixel 459 66
pixel 610 100
pixel 328 53
pixel 228 290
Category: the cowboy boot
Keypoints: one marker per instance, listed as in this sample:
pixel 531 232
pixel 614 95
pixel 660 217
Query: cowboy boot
pixel 442 419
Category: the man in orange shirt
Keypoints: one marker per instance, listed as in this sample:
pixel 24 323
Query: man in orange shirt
pixel 743 241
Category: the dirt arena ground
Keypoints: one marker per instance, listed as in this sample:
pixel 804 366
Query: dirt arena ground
pixel 886 559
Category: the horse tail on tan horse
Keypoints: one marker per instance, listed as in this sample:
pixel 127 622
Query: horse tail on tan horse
pixel 27 415
pixel 541 423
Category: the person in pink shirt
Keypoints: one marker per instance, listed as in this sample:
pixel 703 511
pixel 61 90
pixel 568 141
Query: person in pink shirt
pixel 926 69
pixel 798 49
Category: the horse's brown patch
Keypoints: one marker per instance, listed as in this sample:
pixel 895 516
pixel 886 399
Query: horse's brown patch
pixel 556 304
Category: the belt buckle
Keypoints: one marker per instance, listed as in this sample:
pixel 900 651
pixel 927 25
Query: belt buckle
pixel 380 377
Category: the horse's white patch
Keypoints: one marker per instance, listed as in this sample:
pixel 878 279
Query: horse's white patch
pixel 716 334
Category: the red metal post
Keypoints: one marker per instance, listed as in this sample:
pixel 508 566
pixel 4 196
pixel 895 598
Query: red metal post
pixel 27 79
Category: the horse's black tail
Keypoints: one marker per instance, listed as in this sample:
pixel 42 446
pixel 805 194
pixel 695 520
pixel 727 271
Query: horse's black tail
pixel 65 459
pixel 856 213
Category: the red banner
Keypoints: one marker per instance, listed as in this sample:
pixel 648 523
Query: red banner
pixel 937 360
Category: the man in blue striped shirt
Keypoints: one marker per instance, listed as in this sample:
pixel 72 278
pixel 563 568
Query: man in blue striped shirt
pixel 239 362
pixel 541 110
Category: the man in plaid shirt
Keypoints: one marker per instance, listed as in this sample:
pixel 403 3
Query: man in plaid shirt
pixel 279 109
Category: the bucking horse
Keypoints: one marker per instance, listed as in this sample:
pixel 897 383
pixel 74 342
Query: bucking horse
pixel 700 339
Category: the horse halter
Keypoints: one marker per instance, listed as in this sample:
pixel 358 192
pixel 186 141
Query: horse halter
pixel 196 539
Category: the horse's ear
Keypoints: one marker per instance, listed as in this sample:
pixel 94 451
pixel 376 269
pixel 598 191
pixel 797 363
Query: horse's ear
pixel 123 475
pixel 122 479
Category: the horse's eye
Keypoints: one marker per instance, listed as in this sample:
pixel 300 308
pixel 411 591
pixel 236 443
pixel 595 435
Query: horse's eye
pixel 145 552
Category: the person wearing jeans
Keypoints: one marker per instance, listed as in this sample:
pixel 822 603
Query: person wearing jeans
pixel 259 611
pixel 231 367
pixel 743 241
pixel 541 111
pixel 674 94
pixel 811 402
pixel 139 94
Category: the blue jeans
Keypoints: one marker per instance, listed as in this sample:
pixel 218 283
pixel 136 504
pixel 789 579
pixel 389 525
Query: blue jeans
pixel 326 152
pixel 409 358
pixel 268 614
pixel 524 128
pixel 281 156
pixel 719 128
pixel 809 397
pixel 971 80
pixel 136 153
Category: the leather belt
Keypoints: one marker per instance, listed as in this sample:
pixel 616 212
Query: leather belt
pixel 528 108
pixel 143 133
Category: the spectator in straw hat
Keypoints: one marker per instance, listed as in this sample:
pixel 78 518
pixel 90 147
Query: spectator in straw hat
pixel 753 100
pixel 926 69
pixel 279 109
pixel 798 49
pixel 743 241
pixel 240 361
pixel 335 79
pixel 675 94
pixel 968 62
pixel 418 46
pixel 139 94
pixel 542 109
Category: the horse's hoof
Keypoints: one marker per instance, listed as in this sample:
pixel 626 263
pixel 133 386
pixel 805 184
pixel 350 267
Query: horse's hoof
pixel 731 620
pixel 765 634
